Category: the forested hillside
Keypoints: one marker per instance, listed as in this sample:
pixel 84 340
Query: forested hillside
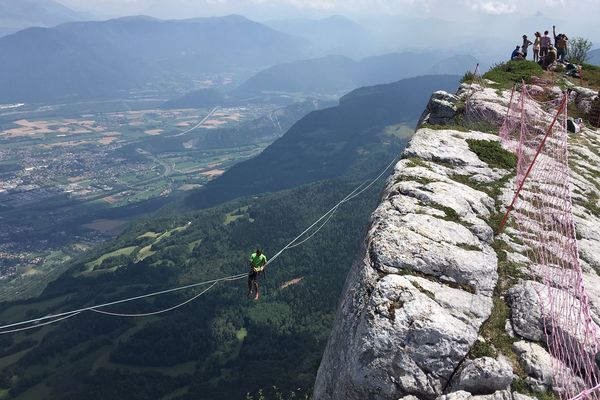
pixel 222 345
pixel 218 347
pixel 364 131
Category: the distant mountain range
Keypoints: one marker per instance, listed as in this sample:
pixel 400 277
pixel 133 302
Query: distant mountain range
pixel 20 14
pixel 335 74
pixel 332 142
pixel 41 64
pixel 101 58
pixel 595 57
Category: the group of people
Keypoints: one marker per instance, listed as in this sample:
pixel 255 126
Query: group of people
pixel 545 52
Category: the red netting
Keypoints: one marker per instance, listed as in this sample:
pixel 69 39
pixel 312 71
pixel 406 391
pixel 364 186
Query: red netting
pixel 541 215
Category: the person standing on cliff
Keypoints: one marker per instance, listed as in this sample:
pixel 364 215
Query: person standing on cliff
pixel 545 43
pixel 536 46
pixel 526 44
pixel 561 47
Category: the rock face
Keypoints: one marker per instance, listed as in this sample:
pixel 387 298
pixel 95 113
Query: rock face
pixel 537 363
pixel 485 376
pixel 427 280
pixel 583 98
pixel 440 110
pixel 415 301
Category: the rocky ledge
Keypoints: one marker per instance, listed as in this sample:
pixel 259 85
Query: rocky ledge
pixel 437 306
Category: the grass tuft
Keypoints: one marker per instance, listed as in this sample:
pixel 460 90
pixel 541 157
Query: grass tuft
pixel 493 154
pixel 511 72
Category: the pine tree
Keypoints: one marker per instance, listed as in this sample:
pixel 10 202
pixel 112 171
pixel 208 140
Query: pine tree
pixel 594 115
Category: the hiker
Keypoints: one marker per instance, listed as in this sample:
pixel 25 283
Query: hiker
pixel 258 261
pixel 536 46
pixel 526 44
pixel 544 45
pixel 550 58
pixel 516 54
pixel 561 47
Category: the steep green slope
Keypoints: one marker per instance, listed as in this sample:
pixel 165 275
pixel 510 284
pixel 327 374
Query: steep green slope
pixel 219 347
pixel 364 131
pixel 222 345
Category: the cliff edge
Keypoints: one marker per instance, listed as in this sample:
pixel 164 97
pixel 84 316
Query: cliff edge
pixel 438 304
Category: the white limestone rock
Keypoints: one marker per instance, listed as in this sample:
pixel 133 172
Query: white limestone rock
pixel 416 299
pixel 584 98
pixel 463 395
pixel 537 363
pixel 484 376
pixel 440 110
pixel 526 311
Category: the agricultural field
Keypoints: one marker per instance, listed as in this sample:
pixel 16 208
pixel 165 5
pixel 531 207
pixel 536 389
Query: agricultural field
pixel 70 182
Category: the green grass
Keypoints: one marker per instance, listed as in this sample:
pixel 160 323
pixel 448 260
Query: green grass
pixel 414 162
pixel 126 251
pixel 469 247
pixel 147 251
pixel 520 386
pixel 426 292
pixel 454 127
pixel 511 72
pixel 496 339
pixel 591 75
pixel 493 154
pixel 592 204
pixel 451 215
pixel 418 179
pixel 191 246
pixel 144 253
pixel 468 77
pixel 151 235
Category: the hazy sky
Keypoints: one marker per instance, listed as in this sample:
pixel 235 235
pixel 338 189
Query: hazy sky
pixel 487 29
pixel 577 9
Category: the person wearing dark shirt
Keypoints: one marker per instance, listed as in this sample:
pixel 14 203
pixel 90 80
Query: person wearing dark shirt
pixel 545 43
pixel 526 44
pixel 549 59
pixel 516 54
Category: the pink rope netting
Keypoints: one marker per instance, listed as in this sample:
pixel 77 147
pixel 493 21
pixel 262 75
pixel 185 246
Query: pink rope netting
pixel 542 218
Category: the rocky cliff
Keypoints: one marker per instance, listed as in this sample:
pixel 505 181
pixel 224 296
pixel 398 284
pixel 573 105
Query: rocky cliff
pixel 438 306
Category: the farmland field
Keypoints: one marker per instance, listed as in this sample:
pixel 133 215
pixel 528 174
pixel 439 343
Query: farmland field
pixel 69 182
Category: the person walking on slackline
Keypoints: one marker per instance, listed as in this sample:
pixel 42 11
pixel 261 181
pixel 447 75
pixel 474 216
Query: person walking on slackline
pixel 258 261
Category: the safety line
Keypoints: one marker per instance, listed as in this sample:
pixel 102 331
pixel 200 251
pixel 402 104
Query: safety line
pixel 52 316
pixel 64 315
pixel 161 311
pixel 42 324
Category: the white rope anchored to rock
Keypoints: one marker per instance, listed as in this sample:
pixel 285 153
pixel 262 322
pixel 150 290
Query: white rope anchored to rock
pixel 54 318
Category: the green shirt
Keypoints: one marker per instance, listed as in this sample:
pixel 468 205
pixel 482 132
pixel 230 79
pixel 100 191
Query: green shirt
pixel 258 262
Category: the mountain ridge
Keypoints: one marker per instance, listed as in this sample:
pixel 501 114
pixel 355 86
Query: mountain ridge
pixel 20 14
pixel 335 73
pixel 344 133
pixel 142 50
